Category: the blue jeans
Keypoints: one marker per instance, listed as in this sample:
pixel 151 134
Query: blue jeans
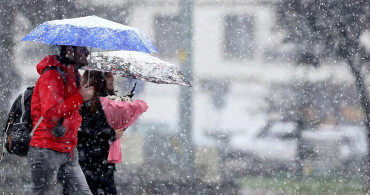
pixel 49 166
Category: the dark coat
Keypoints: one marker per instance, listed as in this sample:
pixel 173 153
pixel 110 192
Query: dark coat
pixel 94 138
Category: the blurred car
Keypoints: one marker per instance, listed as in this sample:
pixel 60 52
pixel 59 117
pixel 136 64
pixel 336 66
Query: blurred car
pixel 220 156
pixel 323 149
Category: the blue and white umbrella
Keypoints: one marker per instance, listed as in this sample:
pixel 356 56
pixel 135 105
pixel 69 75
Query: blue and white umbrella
pixel 91 31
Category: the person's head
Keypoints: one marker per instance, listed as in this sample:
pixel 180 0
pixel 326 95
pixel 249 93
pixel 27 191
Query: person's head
pixel 75 53
pixel 102 82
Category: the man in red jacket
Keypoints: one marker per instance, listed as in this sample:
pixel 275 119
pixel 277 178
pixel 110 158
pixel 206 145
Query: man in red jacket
pixel 54 157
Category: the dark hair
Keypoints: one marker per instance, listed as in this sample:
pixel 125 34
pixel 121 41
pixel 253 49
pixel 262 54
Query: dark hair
pixel 97 79
pixel 63 48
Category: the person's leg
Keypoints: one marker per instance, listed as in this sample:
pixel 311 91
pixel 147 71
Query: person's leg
pixel 44 164
pixel 109 185
pixel 100 182
pixel 91 179
pixel 64 192
pixel 72 178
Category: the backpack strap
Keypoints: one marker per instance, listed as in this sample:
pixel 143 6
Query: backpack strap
pixel 59 69
pixel 63 74
pixel 78 77
pixel 4 137
pixel 37 124
pixel 23 107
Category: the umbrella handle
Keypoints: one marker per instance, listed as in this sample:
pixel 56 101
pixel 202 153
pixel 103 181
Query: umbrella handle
pixel 90 55
pixel 88 75
pixel 132 93
pixel 88 79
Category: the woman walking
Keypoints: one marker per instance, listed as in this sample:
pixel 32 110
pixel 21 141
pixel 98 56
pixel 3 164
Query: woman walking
pixel 95 135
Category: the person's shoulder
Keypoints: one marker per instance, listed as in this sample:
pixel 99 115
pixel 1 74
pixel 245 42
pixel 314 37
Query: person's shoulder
pixel 53 57
pixel 49 75
pixel 48 61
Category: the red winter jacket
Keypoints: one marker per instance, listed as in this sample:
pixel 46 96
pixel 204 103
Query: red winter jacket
pixel 53 100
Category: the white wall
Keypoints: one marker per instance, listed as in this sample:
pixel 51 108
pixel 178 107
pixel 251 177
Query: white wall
pixel 249 78
pixel 209 63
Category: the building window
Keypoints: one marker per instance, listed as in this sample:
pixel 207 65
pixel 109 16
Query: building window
pixel 167 35
pixel 239 38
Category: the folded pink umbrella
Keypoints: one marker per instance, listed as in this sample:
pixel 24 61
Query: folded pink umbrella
pixel 121 114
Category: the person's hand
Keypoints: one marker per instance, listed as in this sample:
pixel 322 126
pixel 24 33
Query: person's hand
pixel 119 132
pixel 86 92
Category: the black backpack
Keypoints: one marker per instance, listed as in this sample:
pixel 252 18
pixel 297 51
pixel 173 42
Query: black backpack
pixel 18 127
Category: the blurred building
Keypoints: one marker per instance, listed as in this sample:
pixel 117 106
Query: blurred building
pixel 238 58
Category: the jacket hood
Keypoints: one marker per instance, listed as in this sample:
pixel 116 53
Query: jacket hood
pixel 49 61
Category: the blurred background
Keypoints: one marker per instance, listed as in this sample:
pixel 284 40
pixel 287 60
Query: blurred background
pixel 279 102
